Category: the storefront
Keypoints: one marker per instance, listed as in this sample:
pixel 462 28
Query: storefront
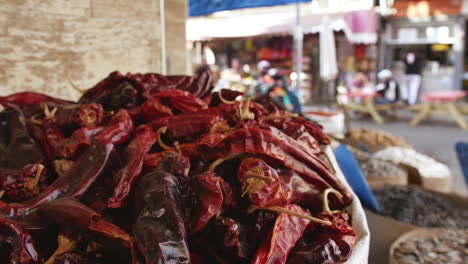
pixel 254 36
pixel 439 41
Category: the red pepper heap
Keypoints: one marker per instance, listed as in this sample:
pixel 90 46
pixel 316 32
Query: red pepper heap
pixel 147 168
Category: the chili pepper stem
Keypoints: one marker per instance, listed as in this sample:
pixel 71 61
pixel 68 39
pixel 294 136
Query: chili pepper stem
pixel 224 100
pixel 326 205
pixel 64 245
pixel 279 117
pixel 90 117
pixel 2 192
pixel 30 184
pixel 282 210
pixel 217 162
pixel 243 113
pixel 254 181
pixel 221 127
pixel 35 119
pixel 160 131
pixel 47 113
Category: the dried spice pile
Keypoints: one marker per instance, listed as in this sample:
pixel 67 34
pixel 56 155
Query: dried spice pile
pixel 147 168
pixel 448 247
pixel 420 207
pixel 373 167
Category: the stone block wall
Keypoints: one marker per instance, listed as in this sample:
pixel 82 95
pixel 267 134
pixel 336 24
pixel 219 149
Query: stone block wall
pixel 41 42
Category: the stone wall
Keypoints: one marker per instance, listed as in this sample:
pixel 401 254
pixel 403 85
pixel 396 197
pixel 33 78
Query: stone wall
pixel 43 41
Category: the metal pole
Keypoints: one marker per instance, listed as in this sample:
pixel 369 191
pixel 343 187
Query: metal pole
pixel 298 38
pixel 162 15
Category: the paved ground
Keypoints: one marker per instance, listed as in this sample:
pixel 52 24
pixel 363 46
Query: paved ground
pixel 435 137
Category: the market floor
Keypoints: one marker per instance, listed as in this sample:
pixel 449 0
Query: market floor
pixel 435 137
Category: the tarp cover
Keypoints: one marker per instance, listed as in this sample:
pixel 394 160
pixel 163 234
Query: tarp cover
pixel 205 7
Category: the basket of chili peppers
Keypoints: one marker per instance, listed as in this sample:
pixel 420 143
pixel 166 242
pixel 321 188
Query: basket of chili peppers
pixel 146 168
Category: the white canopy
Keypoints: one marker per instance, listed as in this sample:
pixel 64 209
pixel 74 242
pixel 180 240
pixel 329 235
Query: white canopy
pixel 273 21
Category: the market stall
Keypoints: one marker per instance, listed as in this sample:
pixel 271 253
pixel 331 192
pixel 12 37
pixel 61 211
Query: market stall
pixel 146 159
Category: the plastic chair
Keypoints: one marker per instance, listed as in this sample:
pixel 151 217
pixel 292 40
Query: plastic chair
pixel 356 179
pixel 462 152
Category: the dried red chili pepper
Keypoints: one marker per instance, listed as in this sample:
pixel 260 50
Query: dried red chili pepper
pixel 262 184
pixel 159 227
pixel 200 85
pixel 70 148
pixel 153 109
pixel 227 236
pixel 86 115
pixel 75 258
pixel 22 247
pixel 52 132
pixel 134 155
pixel 24 99
pixel 72 215
pixel 73 184
pixel 299 132
pixel 187 150
pixel 185 127
pixel 287 151
pixel 319 251
pixel 286 232
pixel 281 121
pixel 325 244
pixel 179 101
pixel 118 130
pixel 113 92
pixel 208 191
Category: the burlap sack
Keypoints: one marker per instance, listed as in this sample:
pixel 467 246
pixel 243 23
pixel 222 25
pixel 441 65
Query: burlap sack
pixel 360 252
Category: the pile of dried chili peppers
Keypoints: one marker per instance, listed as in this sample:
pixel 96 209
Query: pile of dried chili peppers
pixel 147 168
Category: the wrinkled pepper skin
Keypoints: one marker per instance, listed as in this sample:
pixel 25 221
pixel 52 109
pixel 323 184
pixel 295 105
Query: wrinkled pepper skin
pixel 75 258
pixel 208 188
pixel 52 136
pixel 113 92
pixel 22 247
pixel 87 115
pixel 325 244
pixel 73 184
pixel 151 83
pixel 227 237
pixel 134 155
pixel 71 214
pixel 70 148
pixel 278 146
pixel 237 240
pixel 159 227
pixel 179 101
pixel 299 132
pixel 286 232
pixel 20 155
pixel 186 127
pixel 290 125
pixel 25 99
pixel 118 130
pixel 320 251
pixel 273 193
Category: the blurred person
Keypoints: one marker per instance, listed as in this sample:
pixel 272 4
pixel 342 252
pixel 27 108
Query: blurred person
pixel 360 83
pixel 412 79
pixel 292 92
pixel 262 81
pixel 387 88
